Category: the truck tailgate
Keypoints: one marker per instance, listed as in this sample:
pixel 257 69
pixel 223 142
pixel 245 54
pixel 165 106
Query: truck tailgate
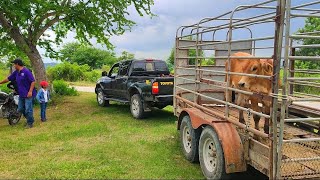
pixel 165 85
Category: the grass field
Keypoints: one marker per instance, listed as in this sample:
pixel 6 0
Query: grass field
pixel 82 140
pixel 82 83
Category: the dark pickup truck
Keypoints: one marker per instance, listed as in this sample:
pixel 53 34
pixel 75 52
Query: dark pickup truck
pixel 143 84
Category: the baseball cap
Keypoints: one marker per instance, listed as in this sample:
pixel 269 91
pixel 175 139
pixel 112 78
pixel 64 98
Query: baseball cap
pixel 17 61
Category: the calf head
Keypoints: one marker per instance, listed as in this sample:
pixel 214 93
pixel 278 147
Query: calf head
pixel 257 67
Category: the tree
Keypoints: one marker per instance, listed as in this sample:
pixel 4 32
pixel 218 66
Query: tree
pixel 24 24
pixel 311 25
pixel 126 56
pixel 84 54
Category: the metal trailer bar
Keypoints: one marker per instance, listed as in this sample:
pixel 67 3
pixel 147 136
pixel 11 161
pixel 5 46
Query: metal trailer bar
pixel 308 33
pixel 304 37
pixel 307 46
pixel 305 15
pixel 243 126
pixel 225 72
pixel 279 30
pixel 311 95
pixel 306 4
pixel 235 25
pixel 229 12
pixel 244 19
pixel 233 41
pixel 304 99
pixel 306 71
pixel 301 140
pixel 301 159
pixel 307 79
pixel 226 103
pixel 308 83
pixel 301 119
pixel 229 88
pixel 285 90
pixel 226 57
pixel 308 58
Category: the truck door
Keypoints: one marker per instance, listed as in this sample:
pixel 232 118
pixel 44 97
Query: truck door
pixel 111 87
pixel 121 80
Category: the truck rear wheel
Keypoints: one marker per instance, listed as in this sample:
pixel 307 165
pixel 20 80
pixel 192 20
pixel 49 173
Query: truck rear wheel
pixel 189 138
pixel 100 99
pixel 136 107
pixel 211 155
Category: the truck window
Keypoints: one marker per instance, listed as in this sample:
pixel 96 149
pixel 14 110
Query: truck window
pixel 150 66
pixel 161 66
pixel 114 71
pixel 124 69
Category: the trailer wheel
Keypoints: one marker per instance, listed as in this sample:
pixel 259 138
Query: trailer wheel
pixel 189 138
pixel 211 155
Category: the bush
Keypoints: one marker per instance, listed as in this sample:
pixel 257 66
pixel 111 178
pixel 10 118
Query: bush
pixel 92 76
pixel 68 72
pixel 60 87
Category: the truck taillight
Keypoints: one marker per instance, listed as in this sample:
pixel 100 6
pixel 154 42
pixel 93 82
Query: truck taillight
pixel 155 88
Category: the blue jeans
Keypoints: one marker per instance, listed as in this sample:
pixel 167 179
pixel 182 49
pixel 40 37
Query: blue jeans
pixel 25 106
pixel 43 111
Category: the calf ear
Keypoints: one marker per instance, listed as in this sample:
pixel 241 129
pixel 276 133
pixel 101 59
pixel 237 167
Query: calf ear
pixel 267 68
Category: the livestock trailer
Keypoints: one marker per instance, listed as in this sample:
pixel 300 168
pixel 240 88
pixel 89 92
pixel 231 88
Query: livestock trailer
pixel 209 121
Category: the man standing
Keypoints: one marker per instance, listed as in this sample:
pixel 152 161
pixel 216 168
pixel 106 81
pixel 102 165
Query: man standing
pixel 25 82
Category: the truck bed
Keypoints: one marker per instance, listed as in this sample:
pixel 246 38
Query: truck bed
pixel 290 151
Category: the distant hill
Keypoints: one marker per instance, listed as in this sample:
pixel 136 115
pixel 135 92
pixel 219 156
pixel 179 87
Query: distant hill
pixel 46 65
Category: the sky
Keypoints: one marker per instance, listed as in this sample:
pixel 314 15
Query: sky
pixel 154 37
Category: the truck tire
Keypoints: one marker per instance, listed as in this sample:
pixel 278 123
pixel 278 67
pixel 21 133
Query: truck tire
pixel 211 155
pixel 100 99
pixel 189 139
pixel 136 107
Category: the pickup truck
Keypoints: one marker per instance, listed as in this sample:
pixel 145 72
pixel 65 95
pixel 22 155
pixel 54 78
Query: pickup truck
pixel 144 84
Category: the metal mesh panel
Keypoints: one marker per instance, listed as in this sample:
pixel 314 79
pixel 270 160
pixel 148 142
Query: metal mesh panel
pixel 300 160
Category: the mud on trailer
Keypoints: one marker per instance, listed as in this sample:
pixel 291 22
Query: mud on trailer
pixel 209 122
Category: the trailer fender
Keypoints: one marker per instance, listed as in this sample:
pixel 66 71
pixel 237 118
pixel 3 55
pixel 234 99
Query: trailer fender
pixel 229 138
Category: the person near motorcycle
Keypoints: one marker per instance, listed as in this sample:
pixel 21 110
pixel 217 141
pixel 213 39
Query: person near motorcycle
pixel 25 83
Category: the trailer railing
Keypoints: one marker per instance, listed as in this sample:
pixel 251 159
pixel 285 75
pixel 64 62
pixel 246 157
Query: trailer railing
pixel 200 85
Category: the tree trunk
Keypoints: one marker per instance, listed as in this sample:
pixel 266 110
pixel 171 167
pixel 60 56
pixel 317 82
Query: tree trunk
pixel 37 64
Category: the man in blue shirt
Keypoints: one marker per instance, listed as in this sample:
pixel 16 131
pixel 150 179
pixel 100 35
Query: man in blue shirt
pixel 25 82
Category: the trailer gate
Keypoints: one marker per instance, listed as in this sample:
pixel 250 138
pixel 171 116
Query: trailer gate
pixel 265 30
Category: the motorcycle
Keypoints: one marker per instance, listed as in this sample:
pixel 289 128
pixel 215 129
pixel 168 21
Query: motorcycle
pixel 9 107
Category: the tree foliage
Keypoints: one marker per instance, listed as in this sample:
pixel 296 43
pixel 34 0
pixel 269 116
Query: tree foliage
pixel 26 25
pixel 85 54
pixel 311 25
pixel 126 56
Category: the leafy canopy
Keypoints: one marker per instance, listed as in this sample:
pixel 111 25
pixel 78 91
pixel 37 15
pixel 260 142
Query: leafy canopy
pixel 86 55
pixel 98 19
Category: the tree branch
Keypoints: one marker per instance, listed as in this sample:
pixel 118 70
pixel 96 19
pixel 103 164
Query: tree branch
pixel 14 33
pixel 47 26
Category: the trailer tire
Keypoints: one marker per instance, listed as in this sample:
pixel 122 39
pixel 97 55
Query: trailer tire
pixel 189 139
pixel 211 155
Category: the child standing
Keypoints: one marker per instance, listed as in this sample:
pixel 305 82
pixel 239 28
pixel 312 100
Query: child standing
pixel 43 97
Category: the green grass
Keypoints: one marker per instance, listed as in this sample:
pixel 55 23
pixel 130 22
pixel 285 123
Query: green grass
pixel 82 140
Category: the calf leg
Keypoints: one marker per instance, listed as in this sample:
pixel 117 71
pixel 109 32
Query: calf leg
pixel 267 120
pixel 241 102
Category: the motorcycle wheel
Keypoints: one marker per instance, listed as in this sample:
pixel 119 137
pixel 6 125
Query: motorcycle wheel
pixel 13 119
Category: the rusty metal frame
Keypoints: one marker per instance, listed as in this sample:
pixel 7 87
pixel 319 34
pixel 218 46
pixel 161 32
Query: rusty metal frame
pixel 282 99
